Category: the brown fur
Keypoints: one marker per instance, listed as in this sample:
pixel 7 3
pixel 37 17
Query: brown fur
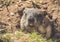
pixel 34 20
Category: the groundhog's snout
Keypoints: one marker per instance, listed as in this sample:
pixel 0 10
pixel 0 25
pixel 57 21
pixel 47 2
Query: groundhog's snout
pixel 31 22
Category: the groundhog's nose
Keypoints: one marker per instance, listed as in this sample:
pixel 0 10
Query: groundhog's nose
pixel 31 20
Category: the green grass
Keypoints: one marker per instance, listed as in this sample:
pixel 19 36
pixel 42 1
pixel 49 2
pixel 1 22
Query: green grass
pixel 33 37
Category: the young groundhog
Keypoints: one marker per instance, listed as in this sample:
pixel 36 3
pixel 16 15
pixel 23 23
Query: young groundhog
pixel 34 20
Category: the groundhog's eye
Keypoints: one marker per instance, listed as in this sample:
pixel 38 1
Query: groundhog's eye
pixel 25 14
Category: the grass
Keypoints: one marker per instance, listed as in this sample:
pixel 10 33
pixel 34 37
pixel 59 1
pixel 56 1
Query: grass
pixel 33 37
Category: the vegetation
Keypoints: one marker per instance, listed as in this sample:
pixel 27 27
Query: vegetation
pixel 32 37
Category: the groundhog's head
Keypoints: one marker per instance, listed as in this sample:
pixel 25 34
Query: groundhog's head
pixel 33 17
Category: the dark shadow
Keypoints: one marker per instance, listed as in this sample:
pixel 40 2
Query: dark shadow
pixel 36 6
pixel 21 12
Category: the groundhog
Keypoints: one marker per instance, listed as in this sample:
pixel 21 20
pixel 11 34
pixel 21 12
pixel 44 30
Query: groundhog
pixel 34 20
